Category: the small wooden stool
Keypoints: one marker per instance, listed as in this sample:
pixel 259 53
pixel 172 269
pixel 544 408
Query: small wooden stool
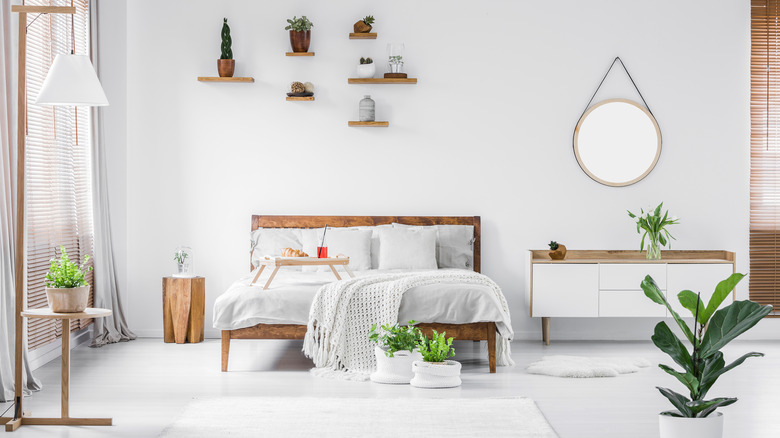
pixel 184 305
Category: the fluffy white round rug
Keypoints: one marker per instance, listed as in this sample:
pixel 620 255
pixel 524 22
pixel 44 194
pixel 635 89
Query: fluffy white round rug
pixel 360 417
pixel 583 367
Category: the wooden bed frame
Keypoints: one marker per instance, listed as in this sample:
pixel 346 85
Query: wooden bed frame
pixel 478 331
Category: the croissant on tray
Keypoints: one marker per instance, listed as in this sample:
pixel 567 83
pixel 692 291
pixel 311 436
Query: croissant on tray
pixel 289 252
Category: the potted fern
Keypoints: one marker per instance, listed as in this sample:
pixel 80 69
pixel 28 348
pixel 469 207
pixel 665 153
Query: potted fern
pixel 366 68
pixel 364 25
pixel 434 370
pixel 226 65
pixel 66 289
pixel 300 33
pixel 713 328
pixel 395 351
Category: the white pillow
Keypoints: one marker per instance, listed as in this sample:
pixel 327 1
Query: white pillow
pixel 454 245
pixel 351 242
pixel 270 241
pixel 375 244
pixel 407 248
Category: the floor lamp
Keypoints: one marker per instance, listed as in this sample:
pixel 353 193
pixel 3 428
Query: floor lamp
pixel 71 81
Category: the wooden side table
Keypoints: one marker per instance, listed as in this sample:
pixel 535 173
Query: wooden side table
pixel 65 418
pixel 184 305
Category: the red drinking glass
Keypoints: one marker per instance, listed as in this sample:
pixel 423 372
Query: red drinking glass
pixel 322 252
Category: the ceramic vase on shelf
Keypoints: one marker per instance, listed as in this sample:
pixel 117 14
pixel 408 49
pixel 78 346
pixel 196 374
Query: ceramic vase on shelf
pixel 183 258
pixel 365 71
pixel 366 107
pixel 300 40
pixel 226 67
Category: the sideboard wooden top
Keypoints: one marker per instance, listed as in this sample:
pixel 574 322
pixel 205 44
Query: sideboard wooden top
pixel 621 256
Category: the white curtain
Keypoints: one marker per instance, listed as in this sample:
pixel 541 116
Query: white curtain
pixel 8 68
pixel 113 328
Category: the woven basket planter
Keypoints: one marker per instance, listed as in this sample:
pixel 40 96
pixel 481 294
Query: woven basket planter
pixel 396 369
pixel 436 375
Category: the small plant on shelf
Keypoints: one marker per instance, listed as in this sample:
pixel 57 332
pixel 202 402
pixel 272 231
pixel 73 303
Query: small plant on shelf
pixel 366 68
pixel 553 245
pixel 300 33
pixel 226 64
pixel 557 250
pixel 364 61
pixel 394 338
pixel 364 25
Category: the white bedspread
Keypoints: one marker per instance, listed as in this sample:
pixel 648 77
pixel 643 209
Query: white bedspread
pixel 289 298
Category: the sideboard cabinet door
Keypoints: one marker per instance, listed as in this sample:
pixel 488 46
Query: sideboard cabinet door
pixel 567 290
pixel 697 278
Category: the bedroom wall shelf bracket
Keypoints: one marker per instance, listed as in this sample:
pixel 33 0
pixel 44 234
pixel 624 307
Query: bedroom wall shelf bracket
pixel 299 54
pixel 362 36
pixel 218 79
pixel 382 80
pixel 369 124
pixel 300 98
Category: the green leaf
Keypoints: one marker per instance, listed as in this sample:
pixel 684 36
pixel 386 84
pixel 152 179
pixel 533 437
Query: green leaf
pixel 679 401
pixel 703 408
pixel 667 342
pixel 690 300
pixel 714 367
pixel 654 293
pixel 728 323
pixel 687 379
pixel 722 291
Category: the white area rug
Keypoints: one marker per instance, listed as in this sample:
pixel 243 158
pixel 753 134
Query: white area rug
pixel 360 417
pixel 578 366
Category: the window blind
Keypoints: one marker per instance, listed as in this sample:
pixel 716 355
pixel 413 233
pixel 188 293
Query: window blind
pixel 765 152
pixel 58 178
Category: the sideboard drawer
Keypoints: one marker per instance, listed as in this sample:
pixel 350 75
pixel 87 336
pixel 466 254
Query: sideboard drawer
pixel 629 276
pixel 565 290
pixel 628 303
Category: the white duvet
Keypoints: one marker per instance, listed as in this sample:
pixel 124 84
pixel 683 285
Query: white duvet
pixel 288 299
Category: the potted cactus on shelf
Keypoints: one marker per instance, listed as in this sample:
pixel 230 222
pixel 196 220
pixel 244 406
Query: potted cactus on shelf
pixel 364 25
pixel 366 68
pixel 434 370
pixel 557 250
pixel 226 64
pixel 67 291
pixel 395 351
pixel 300 33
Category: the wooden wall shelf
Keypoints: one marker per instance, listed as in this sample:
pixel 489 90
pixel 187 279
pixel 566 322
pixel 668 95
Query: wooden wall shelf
pixel 370 124
pixel 299 54
pixel 382 80
pixel 362 36
pixel 300 98
pixel 218 79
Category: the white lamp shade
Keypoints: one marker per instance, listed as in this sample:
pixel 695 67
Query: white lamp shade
pixel 72 81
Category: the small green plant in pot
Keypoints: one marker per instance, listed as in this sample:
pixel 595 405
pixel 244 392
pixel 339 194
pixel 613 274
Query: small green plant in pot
pixel 366 68
pixel 434 370
pixel 557 250
pixel 67 290
pixel 364 25
pixel 226 65
pixel 713 328
pixel 396 349
pixel 300 33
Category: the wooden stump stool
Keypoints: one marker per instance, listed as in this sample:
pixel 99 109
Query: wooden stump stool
pixel 184 304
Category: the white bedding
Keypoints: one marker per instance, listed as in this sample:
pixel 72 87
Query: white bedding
pixel 288 299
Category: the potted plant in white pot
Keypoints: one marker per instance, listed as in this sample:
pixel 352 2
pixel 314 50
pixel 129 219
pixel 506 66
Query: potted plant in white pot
pixel 66 289
pixel 395 351
pixel 366 68
pixel 695 417
pixel 434 370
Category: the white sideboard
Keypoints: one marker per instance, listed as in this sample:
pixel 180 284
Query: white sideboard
pixel 602 284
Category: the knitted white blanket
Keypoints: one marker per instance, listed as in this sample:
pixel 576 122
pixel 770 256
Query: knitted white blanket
pixel 342 313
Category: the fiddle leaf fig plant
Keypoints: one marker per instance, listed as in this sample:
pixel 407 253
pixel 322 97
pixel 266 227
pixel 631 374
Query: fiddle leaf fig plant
pixel 395 338
pixel 65 273
pixel 437 348
pixel 713 328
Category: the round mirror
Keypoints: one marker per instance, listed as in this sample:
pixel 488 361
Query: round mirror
pixel 617 142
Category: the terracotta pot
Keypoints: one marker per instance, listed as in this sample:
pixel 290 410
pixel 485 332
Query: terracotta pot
pixel 300 40
pixel 68 300
pixel 225 67
pixel 558 254
pixel 361 27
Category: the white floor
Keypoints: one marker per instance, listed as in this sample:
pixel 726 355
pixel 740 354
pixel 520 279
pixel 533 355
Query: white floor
pixel 144 384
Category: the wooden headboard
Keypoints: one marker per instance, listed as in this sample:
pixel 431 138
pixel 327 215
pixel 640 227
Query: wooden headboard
pixel 259 221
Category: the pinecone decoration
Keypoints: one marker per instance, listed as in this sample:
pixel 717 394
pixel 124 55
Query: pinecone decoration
pixel 297 87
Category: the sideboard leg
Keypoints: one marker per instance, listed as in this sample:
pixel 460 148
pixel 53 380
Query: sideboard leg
pixel 546 330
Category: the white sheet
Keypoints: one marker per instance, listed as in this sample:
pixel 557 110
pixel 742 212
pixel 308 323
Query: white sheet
pixel 289 298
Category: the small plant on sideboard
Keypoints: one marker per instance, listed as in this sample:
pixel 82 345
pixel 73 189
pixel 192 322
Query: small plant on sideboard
pixel 226 64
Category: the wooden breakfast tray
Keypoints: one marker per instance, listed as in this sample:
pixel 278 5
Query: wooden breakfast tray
pixel 278 262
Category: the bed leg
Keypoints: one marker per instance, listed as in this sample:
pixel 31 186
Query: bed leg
pixel 225 349
pixel 491 341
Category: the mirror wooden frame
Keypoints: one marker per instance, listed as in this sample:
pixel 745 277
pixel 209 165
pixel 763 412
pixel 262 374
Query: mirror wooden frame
pixel 610 183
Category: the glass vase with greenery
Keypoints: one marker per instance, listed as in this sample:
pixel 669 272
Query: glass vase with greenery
pixel 713 328
pixel 654 226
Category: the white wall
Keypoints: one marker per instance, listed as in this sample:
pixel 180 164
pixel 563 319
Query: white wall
pixel 487 130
